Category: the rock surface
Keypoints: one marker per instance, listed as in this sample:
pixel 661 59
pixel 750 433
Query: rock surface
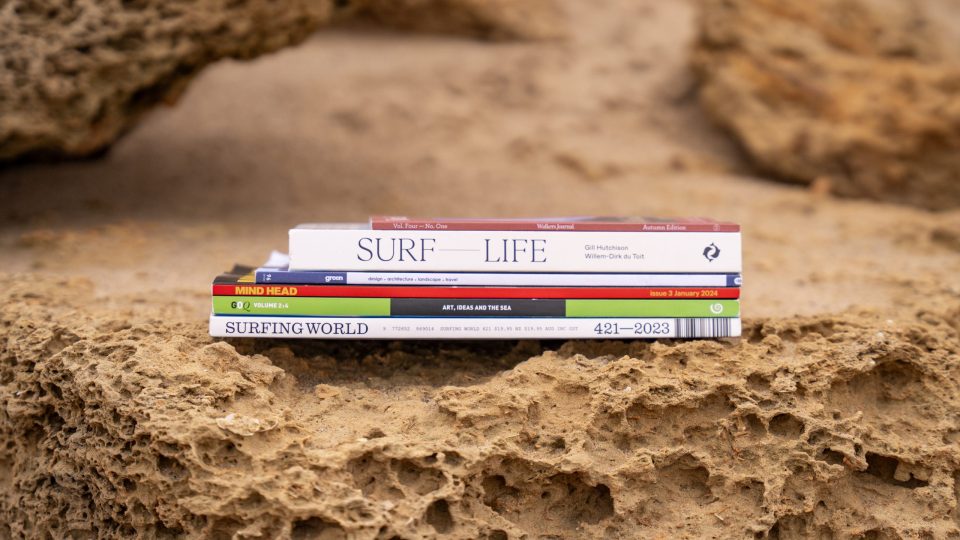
pixel 77 75
pixel 842 426
pixel 388 124
pixel 503 19
pixel 861 97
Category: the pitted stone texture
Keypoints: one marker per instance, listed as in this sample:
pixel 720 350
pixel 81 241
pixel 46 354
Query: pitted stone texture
pixel 76 74
pixel 839 426
pixel 862 97
pixel 495 19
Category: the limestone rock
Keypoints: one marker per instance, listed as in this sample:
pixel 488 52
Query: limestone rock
pixel 135 425
pixel 863 97
pixel 498 19
pixel 75 75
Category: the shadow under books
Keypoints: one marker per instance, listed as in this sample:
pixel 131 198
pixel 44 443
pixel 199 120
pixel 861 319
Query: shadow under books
pixel 436 363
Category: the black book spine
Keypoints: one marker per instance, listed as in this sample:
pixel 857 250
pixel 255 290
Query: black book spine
pixel 444 307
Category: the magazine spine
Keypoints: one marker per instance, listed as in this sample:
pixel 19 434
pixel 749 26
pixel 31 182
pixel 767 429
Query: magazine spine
pixel 469 307
pixel 471 328
pixel 267 276
pixel 374 291
pixel 498 251
pixel 402 224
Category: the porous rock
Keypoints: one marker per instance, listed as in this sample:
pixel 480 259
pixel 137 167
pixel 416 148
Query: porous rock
pixel 127 425
pixel 494 19
pixel 861 97
pixel 75 75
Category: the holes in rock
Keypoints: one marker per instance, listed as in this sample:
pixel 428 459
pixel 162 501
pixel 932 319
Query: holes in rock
pixel 786 425
pixel 420 479
pixel 831 456
pixel 497 534
pixel 221 453
pixel 892 390
pixel 497 494
pixel 877 534
pixel 126 42
pixel 436 363
pixel 253 501
pixel 599 504
pixel 135 5
pixel 59 342
pixel 438 516
pixel 54 421
pixel 754 425
pixel 224 528
pixel 754 334
pixel 529 496
pixel 55 390
pixel 817 436
pixel 693 420
pixel 368 473
pixel 316 527
pixel 536 443
pixel 390 479
pixel 753 490
pixel 689 478
pixel 162 531
pixel 452 458
pixel 558 444
pixel 171 468
pixel 885 468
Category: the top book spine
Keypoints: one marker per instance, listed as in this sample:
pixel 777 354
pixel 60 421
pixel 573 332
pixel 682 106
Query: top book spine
pixel 587 224
pixel 340 248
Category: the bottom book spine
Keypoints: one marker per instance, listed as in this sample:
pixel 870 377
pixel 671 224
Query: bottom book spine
pixel 472 328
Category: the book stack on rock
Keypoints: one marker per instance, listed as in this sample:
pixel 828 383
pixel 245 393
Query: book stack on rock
pixel 556 278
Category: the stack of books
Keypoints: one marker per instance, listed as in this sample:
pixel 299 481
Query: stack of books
pixel 565 278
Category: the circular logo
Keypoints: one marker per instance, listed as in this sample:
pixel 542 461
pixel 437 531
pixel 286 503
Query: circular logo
pixel 716 309
pixel 711 252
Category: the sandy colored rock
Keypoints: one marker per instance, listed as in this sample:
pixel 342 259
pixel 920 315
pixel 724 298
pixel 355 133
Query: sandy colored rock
pixel 861 96
pixel 77 75
pixel 809 426
pixel 652 440
pixel 503 19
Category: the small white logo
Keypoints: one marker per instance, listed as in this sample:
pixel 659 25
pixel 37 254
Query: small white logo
pixel 716 309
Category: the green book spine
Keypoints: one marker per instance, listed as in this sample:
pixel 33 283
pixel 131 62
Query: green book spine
pixel 444 307
pixel 320 307
pixel 653 308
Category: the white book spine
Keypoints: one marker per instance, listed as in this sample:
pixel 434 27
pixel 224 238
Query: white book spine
pixel 514 251
pixel 469 328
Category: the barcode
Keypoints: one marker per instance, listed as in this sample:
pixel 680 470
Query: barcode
pixel 703 328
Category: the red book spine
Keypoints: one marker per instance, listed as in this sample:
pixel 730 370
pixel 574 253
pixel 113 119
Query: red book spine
pixel 377 291
pixel 402 224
